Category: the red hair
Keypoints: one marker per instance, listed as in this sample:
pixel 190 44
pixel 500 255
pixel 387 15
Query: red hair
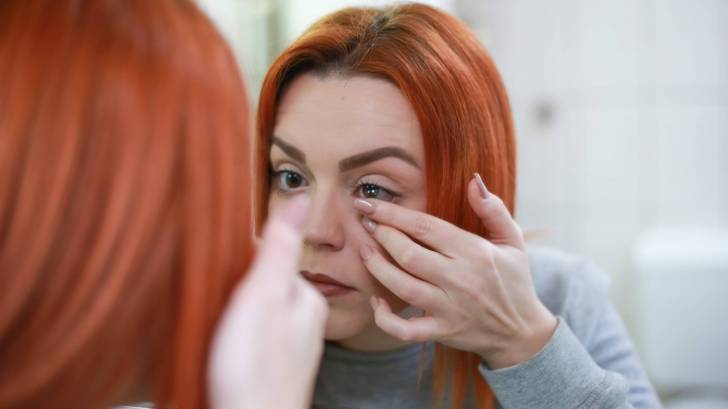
pixel 460 102
pixel 125 212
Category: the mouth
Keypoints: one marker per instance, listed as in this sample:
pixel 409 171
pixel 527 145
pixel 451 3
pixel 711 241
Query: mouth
pixel 326 285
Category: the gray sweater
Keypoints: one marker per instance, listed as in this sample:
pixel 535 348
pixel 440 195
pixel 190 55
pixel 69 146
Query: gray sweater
pixel 589 362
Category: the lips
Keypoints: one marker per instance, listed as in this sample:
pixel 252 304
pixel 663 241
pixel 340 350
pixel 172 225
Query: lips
pixel 328 286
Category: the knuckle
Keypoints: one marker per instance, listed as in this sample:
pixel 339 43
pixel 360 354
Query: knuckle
pixel 408 293
pixel 406 335
pixel 422 226
pixel 483 253
pixel 408 258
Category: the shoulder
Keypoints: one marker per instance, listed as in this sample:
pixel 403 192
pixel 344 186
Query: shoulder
pixel 571 287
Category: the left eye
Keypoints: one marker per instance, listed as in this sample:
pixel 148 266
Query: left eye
pixel 288 180
pixel 372 191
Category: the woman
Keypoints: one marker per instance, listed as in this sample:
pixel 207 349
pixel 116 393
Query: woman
pixel 125 218
pixel 381 117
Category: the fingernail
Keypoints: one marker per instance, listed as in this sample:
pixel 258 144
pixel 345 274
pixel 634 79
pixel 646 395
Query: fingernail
pixel 296 211
pixel 373 302
pixel 366 252
pixel 368 224
pixel 481 185
pixel 364 206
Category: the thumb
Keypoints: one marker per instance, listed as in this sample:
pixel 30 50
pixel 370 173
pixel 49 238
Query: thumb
pixel 494 215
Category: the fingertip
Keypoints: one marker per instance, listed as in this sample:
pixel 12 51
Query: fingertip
pixel 382 313
pixel 295 212
pixel 381 302
pixel 476 200
pixel 373 302
pixel 482 190
pixel 281 235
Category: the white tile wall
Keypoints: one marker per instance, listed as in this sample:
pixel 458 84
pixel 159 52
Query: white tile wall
pixel 617 39
pixel 691 179
pixel 691 42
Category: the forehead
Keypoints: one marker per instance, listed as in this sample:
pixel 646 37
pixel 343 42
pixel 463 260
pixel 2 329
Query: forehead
pixel 346 115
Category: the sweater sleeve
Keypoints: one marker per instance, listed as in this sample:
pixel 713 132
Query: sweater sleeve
pixel 589 362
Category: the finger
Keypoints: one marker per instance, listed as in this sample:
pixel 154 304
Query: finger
pixel 494 214
pixel 405 286
pixel 410 255
pixel 282 235
pixel 432 231
pixel 417 329
pixel 313 304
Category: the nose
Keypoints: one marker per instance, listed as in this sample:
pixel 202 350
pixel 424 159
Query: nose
pixel 324 229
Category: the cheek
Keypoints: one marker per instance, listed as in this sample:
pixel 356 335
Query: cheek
pixel 275 200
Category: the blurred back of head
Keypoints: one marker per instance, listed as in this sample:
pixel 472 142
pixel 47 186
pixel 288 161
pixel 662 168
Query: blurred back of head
pixel 124 200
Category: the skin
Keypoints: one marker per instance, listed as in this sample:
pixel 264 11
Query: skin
pixel 361 115
pixel 246 368
pixel 367 222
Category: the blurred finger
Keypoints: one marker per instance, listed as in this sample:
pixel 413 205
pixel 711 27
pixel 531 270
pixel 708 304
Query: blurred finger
pixel 280 245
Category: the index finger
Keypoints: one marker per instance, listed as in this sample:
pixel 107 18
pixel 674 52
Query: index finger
pixel 435 233
pixel 281 236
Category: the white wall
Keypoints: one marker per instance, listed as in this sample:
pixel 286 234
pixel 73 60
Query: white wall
pixel 637 96
pixel 299 14
pixel 639 130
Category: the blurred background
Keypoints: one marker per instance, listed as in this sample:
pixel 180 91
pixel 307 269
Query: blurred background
pixel 621 111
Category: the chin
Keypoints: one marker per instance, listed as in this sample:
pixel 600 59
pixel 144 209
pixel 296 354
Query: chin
pixel 346 324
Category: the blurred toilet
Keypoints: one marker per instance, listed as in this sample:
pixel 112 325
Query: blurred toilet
pixel 682 278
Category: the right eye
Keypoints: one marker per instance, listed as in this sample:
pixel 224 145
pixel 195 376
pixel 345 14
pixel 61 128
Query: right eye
pixel 288 180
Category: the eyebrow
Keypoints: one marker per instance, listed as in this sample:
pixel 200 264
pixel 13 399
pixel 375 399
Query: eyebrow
pixel 374 155
pixel 352 162
pixel 290 150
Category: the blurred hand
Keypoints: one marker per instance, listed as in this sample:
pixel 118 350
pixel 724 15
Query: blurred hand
pixel 268 345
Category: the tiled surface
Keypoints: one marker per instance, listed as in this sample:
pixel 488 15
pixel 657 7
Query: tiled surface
pixel 691 41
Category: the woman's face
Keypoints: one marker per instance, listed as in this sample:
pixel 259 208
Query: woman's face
pixel 337 139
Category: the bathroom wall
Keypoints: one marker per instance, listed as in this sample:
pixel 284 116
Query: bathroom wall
pixel 621 110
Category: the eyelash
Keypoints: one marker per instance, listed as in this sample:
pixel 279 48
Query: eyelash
pixel 364 183
pixel 277 184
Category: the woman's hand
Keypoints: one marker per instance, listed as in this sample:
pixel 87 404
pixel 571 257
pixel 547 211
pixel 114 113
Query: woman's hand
pixel 477 293
pixel 267 348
